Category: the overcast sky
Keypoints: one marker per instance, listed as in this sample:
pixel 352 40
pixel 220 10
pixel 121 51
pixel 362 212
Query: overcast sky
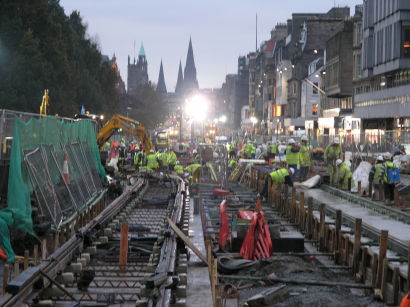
pixel 221 30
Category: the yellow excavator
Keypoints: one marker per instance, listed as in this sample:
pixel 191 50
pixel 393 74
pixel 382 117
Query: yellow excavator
pixel 128 125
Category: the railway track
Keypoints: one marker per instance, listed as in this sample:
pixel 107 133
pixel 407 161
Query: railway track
pixel 88 264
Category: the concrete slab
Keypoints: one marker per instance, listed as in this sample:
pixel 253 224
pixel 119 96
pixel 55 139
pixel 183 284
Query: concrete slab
pixel 199 286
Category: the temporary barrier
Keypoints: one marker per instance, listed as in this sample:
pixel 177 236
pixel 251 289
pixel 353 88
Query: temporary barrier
pixel 37 166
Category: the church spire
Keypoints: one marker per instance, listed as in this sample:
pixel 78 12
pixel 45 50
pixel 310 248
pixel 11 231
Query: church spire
pixel 142 50
pixel 161 87
pixel 180 81
pixel 190 81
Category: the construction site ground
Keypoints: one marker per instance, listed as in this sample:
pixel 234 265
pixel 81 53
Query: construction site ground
pixel 311 268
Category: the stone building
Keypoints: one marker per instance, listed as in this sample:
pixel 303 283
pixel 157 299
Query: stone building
pixel 137 72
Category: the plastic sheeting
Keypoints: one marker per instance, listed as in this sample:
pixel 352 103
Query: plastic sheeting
pixel 362 174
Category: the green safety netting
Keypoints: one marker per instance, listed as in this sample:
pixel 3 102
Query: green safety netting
pixel 29 136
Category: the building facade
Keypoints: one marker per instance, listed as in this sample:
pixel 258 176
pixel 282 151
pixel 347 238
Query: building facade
pixel 382 99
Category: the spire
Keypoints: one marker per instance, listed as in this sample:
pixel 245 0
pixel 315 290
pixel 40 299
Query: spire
pixel 142 50
pixel 190 81
pixel 161 87
pixel 180 81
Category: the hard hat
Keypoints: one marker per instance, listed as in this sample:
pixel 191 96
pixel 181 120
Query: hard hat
pixel 177 162
pixel 292 171
pixel 291 141
pixel 338 162
pixel 304 138
pixel 194 151
pixel 151 151
pixel 387 156
pixel 336 141
pixel 380 158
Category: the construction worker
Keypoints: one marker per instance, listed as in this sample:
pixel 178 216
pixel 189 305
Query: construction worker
pixel 388 186
pixel 249 150
pixel 376 174
pixel 232 164
pixel 292 156
pixel 194 171
pixel 178 168
pixel 273 150
pixel 139 159
pixel 152 161
pixel 172 159
pixel 280 176
pixel 332 153
pixel 231 149
pixel 197 158
pixel 344 175
pixel 305 160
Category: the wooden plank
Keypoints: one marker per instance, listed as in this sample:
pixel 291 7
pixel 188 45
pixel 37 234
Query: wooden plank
pixel 382 254
pixel 124 247
pixel 186 241
pixel 356 246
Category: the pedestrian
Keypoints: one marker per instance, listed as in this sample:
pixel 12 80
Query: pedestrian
pixel 376 175
pixel 292 156
pixel 305 160
pixel 332 153
pixel 344 175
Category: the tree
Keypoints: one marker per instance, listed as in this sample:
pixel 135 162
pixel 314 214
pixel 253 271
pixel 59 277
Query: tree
pixel 42 48
pixel 147 106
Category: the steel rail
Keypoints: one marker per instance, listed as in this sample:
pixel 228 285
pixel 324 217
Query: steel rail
pixel 23 285
pixel 393 243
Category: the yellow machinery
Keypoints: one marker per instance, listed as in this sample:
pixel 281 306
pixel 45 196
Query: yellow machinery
pixel 44 103
pixel 126 124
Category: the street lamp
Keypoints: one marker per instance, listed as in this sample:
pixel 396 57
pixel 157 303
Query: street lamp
pixel 223 119
pixel 197 109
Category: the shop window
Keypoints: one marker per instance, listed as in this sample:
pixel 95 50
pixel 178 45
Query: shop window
pixel 315 109
pixel 406 42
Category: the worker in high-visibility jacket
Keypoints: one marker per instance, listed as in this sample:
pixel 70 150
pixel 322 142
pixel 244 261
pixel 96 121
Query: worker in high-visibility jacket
pixel 232 163
pixel 292 156
pixel 152 161
pixel 376 175
pixel 344 175
pixel 172 159
pixel 178 168
pixel 194 172
pixel 388 186
pixel 305 161
pixel 273 150
pixel 249 150
pixel 280 176
pixel 139 159
pixel 332 153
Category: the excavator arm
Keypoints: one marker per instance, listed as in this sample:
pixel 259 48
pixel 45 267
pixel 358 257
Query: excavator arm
pixel 128 125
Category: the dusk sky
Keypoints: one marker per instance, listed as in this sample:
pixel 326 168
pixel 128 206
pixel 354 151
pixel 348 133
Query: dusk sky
pixel 220 30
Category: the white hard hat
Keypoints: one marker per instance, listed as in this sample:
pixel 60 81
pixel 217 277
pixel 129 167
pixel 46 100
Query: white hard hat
pixel 380 158
pixel 194 151
pixel 304 138
pixel 387 156
pixel 292 171
pixel 291 141
pixel 336 141
pixel 177 162
pixel 338 162
pixel 151 151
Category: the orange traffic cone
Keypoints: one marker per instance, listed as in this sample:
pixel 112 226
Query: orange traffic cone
pixel 3 255
pixel 66 174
